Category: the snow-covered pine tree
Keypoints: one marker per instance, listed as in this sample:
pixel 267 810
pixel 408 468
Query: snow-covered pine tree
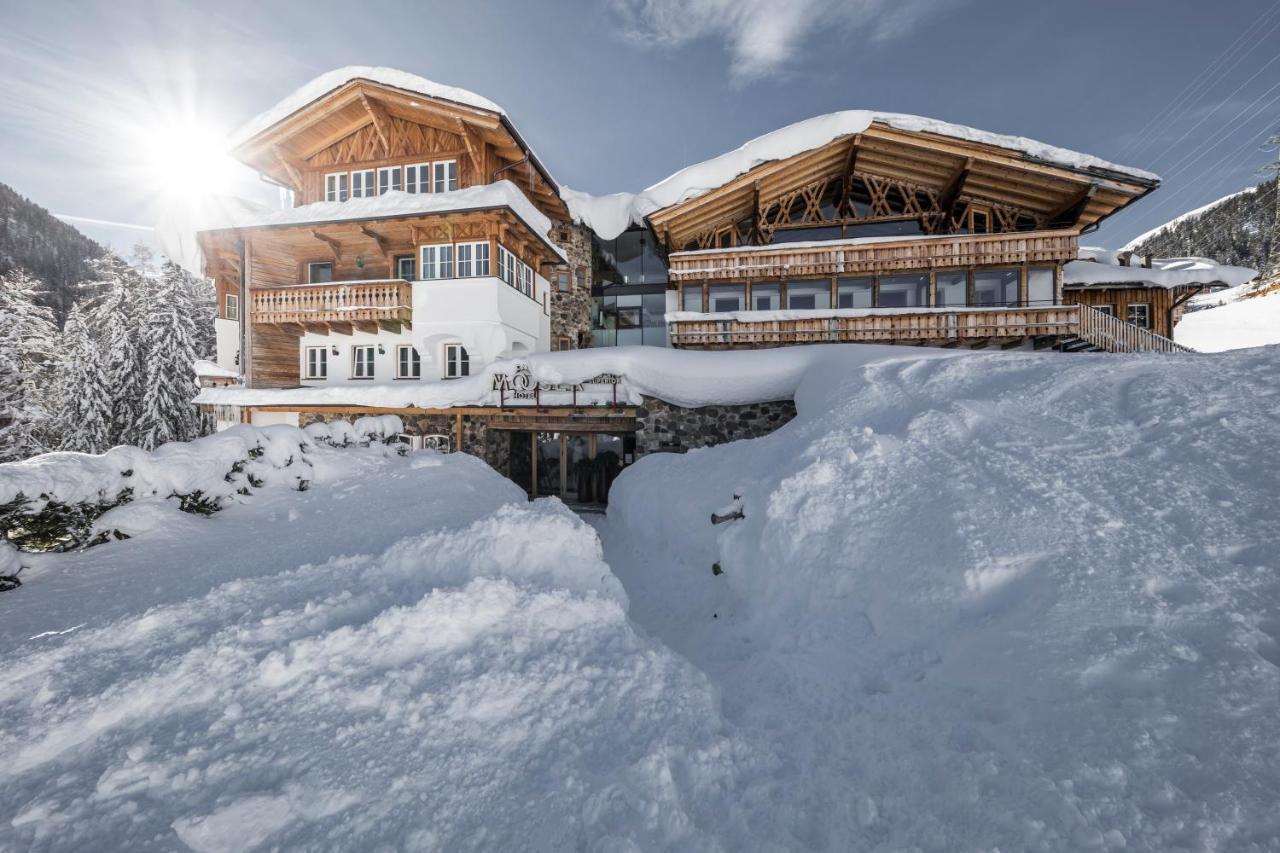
pixel 118 320
pixel 84 405
pixel 1272 273
pixel 27 339
pixel 169 356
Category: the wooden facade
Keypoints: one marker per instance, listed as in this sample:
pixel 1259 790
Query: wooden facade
pixel 1164 304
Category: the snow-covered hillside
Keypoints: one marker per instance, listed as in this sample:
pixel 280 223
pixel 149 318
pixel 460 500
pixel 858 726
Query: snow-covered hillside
pixel 1002 601
pixel 1237 324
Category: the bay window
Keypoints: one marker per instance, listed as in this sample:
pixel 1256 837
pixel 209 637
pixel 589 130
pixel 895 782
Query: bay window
pixel 506 266
pixel 472 259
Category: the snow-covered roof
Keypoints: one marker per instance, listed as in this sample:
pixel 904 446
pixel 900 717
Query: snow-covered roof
pixel 1100 267
pixel 206 368
pixel 339 77
pixel 394 203
pixel 610 215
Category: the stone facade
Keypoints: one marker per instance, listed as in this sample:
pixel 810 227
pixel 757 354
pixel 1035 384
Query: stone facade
pixel 491 445
pixel 571 309
pixel 666 428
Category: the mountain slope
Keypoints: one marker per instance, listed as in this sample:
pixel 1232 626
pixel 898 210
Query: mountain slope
pixel 1235 230
pixel 51 250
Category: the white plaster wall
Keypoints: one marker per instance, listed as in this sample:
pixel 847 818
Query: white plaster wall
pixel 227 338
pixel 486 315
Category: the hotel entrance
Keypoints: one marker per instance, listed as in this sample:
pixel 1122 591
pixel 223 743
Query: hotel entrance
pixel 577 467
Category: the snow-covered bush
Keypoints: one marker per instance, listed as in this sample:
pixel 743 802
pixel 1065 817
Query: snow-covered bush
pixel 53 501
pixel 365 431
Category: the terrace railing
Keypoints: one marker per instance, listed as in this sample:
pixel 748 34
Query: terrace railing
pixel 334 302
pixel 1115 335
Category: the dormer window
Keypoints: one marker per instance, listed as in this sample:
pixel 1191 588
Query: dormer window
pixel 362 184
pixel 335 186
pixel 446 176
pixel 388 179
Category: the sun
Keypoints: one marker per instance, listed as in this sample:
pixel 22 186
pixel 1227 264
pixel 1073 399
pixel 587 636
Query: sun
pixel 182 155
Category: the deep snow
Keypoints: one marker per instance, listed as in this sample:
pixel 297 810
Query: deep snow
pixel 1238 324
pixel 977 601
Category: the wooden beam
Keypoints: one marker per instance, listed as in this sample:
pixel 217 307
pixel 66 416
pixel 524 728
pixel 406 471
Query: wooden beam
pixel 381 122
pixel 464 130
pixel 332 243
pixel 338 328
pixel 389 326
pixel 850 163
pixel 333 138
pixel 1069 211
pixel 290 167
pixel 384 245
pixel 370 326
pixel 955 185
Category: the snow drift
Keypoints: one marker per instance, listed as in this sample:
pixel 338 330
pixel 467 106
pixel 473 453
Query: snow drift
pixel 1003 602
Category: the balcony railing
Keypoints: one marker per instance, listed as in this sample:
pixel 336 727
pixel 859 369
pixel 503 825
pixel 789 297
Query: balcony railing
pixel 877 256
pixel 335 302
pixel 928 325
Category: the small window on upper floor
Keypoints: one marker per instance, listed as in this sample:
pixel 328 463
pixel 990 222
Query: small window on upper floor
pixel 406 267
pixel 417 178
pixel 446 176
pixel 335 186
pixel 233 307
pixel 320 272
pixel 563 281
pixel 362 184
pixel 388 179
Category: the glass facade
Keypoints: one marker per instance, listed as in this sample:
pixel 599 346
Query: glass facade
pixel 630 291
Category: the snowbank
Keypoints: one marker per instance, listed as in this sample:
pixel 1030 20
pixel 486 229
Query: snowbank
pixel 1100 267
pixel 610 215
pixel 682 377
pixel 339 77
pixel 475 685
pixel 1239 324
pixel 204 367
pixel 1015 602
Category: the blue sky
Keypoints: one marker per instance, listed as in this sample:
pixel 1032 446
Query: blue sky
pixel 618 94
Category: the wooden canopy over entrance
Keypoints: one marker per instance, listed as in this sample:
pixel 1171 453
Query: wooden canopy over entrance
pixel 363 124
pixel 898 175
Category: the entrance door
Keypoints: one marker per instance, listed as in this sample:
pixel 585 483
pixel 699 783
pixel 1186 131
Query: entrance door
pixel 578 467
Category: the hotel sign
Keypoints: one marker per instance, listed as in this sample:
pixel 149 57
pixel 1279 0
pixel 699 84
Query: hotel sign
pixel 520 385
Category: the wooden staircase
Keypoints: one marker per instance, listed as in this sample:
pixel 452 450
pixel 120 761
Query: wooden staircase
pixel 1097 331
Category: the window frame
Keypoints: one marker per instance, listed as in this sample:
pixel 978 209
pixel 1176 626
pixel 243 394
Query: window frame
pixel 309 370
pixel 457 361
pixel 311 278
pixel 231 306
pixel 419 185
pixel 446 182
pixel 1146 311
pixel 414 362
pixel 392 186
pixel 337 186
pixel 437 263
pixel 368 183
pixel 356 361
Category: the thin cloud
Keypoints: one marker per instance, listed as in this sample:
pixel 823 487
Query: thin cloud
pixel 764 37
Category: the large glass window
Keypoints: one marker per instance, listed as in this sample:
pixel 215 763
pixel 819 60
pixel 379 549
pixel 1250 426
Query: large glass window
pixel 437 261
pixel 726 297
pixel 630 320
pixel 953 288
pixel 388 179
pixel 854 292
pixel 654 319
pixel 904 291
pixel 995 287
pixel 803 295
pixel 1040 286
pixel 766 297
pixel 691 297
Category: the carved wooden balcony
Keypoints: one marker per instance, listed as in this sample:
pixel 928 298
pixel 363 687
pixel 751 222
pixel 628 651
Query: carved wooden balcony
pixel 874 256
pixel 336 306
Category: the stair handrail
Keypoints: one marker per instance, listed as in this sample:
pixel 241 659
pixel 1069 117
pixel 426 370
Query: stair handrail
pixel 1112 334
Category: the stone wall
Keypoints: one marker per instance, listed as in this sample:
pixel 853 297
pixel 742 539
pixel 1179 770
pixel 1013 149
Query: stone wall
pixel 666 428
pixel 491 445
pixel 571 309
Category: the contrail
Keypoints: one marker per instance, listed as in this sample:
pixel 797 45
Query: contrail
pixel 86 219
